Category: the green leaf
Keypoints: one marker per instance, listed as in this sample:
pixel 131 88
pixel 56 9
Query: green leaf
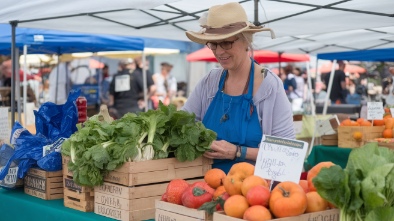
pixel 373 187
pixel 333 185
pixel 381 213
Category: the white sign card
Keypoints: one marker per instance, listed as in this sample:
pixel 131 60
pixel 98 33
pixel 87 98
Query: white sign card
pixel 280 159
pixel 30 118
pixel 122 83
pixel 375 110
pixel 4 124
pixel 327 126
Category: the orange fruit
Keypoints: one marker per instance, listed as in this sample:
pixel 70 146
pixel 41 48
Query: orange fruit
pixel 252 181
pixel 257 213
pixel 389 123
pixel 214 177
pixel 378 122
pixel 235 206
pixel 366 123
pixel 346 122
pixel 354 123
pixel 388 133
pixel 358 136
pixel 312 173
pixel 360 120
pixel 315 203
pixel 304 185
pixel 218 192
pixel 235 177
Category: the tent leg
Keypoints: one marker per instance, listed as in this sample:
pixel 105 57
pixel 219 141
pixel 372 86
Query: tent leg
pixel 144 80
pixel 329 86
pixel 24 84
pixel 13 76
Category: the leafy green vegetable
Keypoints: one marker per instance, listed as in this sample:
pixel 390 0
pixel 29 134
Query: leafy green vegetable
pixel 364 190
pixel 99 146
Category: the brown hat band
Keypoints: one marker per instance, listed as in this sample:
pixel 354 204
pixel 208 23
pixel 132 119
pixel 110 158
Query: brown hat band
pixel 227 29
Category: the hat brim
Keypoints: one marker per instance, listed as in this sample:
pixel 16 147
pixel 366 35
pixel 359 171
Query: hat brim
pixel 203 38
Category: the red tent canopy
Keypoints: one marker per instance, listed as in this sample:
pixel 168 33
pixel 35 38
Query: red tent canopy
pixel 261 56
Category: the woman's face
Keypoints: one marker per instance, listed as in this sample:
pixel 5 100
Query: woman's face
pixel 231 58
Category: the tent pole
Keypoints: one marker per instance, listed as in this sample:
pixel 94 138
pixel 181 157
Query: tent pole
pixel 13 76
pixel 144 80
pixel 57 77
pixel 280 63
pixel 310 88
pixel 24 84
pixel 256 13
pixel 329 86
pixel 317 72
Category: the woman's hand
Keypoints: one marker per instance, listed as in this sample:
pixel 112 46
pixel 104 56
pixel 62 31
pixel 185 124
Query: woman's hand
pixel 221 149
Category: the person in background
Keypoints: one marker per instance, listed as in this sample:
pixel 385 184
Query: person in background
pixel 290 82
pixel 166 85
pixel 151 88
pixel 241 100
pixel 338 89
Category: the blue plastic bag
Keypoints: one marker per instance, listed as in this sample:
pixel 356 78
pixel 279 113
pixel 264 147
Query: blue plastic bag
pixel 53 123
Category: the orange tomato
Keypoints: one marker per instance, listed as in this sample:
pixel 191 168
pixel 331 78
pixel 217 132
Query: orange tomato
pixel 235 177
pixel 287 199
pixel 312 173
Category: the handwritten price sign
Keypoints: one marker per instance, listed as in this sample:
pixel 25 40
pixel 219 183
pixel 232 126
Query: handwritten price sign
pixel 280 159
pixel 375 110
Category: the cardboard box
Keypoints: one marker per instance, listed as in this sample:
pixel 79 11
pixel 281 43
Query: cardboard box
pixel 331 215
pixel 170 211
pixel 43 184
pixel 345 135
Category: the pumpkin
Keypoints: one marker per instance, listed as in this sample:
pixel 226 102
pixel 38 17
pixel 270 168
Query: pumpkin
pixel 235 177
pixel 288 199
pixel 312 173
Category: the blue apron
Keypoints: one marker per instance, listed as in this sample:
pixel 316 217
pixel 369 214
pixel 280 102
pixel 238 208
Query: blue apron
pixel 234 119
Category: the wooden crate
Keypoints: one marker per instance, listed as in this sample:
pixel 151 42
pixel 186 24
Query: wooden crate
pixel 345 135
pixel 43 184
pixel 129 203
pixel 329 140
pixel 65 160
pixel 156 171
pixel 76 196
pixel 331 214
pixel 170 211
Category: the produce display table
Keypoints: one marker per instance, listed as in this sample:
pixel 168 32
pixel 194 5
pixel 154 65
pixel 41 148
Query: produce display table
pixel 15 205
pixel 322 153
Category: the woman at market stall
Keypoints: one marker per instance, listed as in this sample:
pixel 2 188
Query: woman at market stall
pixel 240 101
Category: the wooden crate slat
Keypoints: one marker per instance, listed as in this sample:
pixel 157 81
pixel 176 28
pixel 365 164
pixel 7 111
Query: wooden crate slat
pixel 44 174
pixel 56 185
pixel 55 191
pixel 154 165
pixel 166 215
pixel 69 183
pixel 125 204
pixel 65 159
pixel 86 196
pixel 124 215
pixel 55 179
pixel 84 206
pixel 56 196
pixel 182 210
pixel 128 179
pixel 35 193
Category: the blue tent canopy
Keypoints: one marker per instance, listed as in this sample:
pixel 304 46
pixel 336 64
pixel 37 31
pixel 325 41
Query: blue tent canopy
pixel 386 54
pixel 42 41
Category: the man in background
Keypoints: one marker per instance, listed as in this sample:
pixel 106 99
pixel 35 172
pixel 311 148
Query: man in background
pixel 338 90
pixel 166 85
pixel 127 89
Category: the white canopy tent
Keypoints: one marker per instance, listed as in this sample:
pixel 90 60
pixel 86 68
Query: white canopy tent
pixel 300 26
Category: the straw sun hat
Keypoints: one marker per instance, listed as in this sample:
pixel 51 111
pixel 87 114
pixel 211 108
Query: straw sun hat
pixel 224 21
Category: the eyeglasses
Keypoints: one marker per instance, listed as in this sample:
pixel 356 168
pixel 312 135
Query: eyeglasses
pixel 226 45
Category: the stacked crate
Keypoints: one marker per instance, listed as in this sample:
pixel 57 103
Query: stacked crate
pixel 129 193
pixel 43 184
pixel 75 196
